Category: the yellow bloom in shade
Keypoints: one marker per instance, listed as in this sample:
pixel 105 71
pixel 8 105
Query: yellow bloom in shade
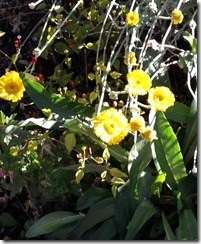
pixel 132 18
pixel 111 126
pixel 177 16
pixel 130 59
pixel 137 123
pixel 11 86
pixel 160 98
pixel 139 82
pixel 148 134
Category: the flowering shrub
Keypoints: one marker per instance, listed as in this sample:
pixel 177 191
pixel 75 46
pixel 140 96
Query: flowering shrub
pixel 107 131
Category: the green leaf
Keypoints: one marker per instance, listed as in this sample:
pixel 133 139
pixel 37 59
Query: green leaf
pixel 157 184
pixel 106 231
pixel 7 220
pixel 166 151
pixel 60 47
pixel 190 139
pixel 169 233
pixel 136 165
pixel 117 173
pixel 187 229
pixel 91 197
pixel 98 213
pixel 192 41
pixel 178 113
pixel 51 222
pixel 142 214
pixel 115 74
pixel 64 107
pixel 70 141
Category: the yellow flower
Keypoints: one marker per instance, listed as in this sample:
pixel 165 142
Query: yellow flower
pixel 132 18
pixel 14 151
pixel 148 134
pixel 177 16
pixel 111 126
pixel 137 123
pixel 130 59
pixel 139 82
pixel 11 86
pixel 160 98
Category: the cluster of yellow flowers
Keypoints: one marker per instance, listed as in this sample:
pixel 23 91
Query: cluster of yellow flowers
pixel 111 125
pixel 11 86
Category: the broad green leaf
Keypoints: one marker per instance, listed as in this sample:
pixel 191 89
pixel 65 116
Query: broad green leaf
pixel 7 220
pixel 169 156
pixel 70 141
pixel 142 214
pixel 64 107
pixel 157 184
pixel 51 222
pixel 91 197
pixel 106 231
pixel 98 213
pixel 187 229
pixel 178 113
pixel 169 233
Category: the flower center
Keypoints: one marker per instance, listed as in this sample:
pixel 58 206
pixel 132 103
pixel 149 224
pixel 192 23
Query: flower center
pixel 11 88
pixel 159 97
pixel 110 127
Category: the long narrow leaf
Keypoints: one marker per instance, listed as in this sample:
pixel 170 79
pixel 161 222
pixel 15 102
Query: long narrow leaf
pixel 169 156
pixel 65 108
pixel 98 213
pixel 142 214
pixel 51 222
pixel 169 233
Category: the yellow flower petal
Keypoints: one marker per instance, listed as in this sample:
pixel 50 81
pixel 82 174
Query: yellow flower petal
pixel 132 18
pixel 137 123
pixel 148 134
pixel 11 86
pixel 111 126
pixel 139 82
pixel 161 98
pixel 177 16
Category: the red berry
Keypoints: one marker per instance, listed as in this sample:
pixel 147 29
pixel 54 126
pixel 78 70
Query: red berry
pixel 74 90
pixel 16 42
pixel 114 104
pixel 70 44
pixel 40 76
pixel 83 95
pixel 66 23
pixel 34 59
pixel 71 82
